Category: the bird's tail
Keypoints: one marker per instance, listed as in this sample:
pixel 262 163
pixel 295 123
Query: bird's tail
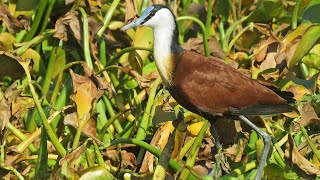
pixel 262 109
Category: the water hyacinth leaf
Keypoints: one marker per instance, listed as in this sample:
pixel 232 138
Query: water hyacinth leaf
pixel 308 40
pixel 96 173
pixel 312 13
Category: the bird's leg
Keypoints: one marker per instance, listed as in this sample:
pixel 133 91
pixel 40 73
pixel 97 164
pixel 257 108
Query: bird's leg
pixel 219 156
pixel 267 142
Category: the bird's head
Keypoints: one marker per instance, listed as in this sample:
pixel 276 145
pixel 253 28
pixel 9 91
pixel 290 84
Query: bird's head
pixel 154 16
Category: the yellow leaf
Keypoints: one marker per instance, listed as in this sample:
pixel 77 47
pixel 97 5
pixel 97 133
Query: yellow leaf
pixel 83 99
pixel 195 127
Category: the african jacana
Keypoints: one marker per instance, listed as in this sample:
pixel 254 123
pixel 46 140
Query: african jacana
pixel 207 86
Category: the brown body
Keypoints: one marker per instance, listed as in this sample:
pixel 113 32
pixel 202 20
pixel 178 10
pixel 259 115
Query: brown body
pixel 209 86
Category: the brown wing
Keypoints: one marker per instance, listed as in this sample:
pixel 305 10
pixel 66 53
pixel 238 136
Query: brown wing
pixel 212 86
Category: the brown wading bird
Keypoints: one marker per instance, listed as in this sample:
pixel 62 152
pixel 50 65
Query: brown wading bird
pixel 208 86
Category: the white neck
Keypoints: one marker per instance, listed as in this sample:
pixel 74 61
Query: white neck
pixel 162 52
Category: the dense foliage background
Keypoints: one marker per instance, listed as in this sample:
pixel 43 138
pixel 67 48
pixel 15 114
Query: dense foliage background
pixel 82 99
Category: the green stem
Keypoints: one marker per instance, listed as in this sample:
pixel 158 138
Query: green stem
pixel 185 149
pixel 47 16
pixel 295 14
pixel 51 134
pixel 209 16
pixel 147 147
pixel 50 69
pixel 82 123
pixel 35 41
pixel 230 30
pixel 107 18
pixel 143 125
pixel 108 123
pixel 112 113
pixel 312 146
pixel 126 50
pixel 205 35
pixel 241 170
pixel 102 52
pixel 37 19
pixel 194 150
pixel 21 136
pixel 304 69
pixel 86 46
pixel 233 41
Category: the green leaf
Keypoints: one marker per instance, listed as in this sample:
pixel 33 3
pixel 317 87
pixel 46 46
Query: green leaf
pixel 310 37
pixel 42 164
pixel 312 13
pixel 96 173
pixel 267 10
pixel 274 171
pixel 223 9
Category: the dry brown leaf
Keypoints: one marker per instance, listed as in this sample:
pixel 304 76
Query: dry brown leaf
pixel 100 83
pixel 73 156
pixel 304 148
pixel 298 91
pixel 6 100
pixel 200 170
pixel 196 45
pixel 67 2
pixel 131 12
pixel 89 128
pixel 128 159
pixel 308 115
pixel 235 152
pixel 141 80
pixel 9 21
pixel 21 105
pixel 68 24
pixel 159 141
pixel 260 52
pixel 159 2
pixel 297 159
pixel 5 112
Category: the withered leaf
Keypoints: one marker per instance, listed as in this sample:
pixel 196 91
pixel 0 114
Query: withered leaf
pixel 100 83
pixel 21 105
pixel 131 12
pixel 142 80
pixel 89 128
pixel 296 158
pixel 196 44
pixel 260 52
pixel 69 23
pixel 85 93
pixel 73 156
pixel 159 140
pixel 128 159
pixel 308 115
pixel 5 113
pixel 9 21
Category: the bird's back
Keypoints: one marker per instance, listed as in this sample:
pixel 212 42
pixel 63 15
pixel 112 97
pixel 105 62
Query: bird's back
pixel 211 86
